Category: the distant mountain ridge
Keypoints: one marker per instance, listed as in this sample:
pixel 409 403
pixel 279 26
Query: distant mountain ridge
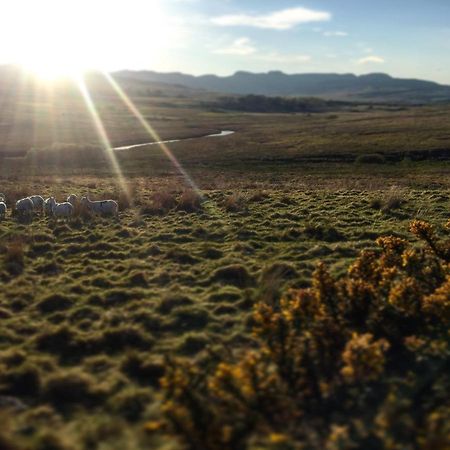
pixel 373 87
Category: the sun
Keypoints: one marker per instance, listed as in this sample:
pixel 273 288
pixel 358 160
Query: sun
pixel 65 38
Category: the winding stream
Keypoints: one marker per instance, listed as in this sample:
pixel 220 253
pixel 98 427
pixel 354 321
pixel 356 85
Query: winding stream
pixel 129 147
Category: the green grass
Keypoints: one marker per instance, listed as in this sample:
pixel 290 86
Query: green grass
pixel 90 308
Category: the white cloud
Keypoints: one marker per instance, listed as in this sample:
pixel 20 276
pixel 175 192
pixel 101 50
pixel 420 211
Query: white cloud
pixel 372 59
pixel 335 33
pixel 239 47
pixel 244 47
pixel 284 19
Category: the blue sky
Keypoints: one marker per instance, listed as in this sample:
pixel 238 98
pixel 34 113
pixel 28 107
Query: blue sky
pixel 405 38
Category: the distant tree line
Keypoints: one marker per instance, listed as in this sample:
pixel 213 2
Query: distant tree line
pixel 262 103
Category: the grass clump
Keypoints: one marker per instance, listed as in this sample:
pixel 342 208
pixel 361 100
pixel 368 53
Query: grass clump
pixel 131 403
pixel 55 302
pixel 24 380
pixel 72 387
pixel 234 274
pixel 14 256
pixel 143 369
pixel 190 201
pixel 235 202
pixel 161 203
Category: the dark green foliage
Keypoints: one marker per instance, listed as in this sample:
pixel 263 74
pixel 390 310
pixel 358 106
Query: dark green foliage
pixel 263 104
pixel 370 158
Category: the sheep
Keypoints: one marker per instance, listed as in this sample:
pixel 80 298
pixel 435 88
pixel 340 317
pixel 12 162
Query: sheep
pixel 48 205
pixel 3 209
pixel 38 201
pixel 102 207
pixel 64 210
pixel 72 199
pixel 25 207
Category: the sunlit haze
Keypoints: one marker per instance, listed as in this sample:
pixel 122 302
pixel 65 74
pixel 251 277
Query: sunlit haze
pixel 65 37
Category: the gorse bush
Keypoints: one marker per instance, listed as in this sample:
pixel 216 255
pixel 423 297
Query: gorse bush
pixel 356 362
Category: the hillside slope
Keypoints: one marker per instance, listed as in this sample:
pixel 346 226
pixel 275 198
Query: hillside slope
pixel 375 87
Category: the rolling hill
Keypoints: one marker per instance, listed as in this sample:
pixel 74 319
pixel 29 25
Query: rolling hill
pixel 374 87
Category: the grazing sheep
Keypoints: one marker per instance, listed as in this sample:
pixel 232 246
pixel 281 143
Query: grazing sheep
pixel 3 209
pixel 63 210
pixel 38 202
pixel 72 199
pixel 25 207
pixel 48 205
pixel 102 207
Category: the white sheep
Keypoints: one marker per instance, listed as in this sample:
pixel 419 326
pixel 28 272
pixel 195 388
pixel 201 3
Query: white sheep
pixel 48 205
pixel 3 209
pixel 25 207
pixel 72 199
pixel 38 201
pixel 102 207
pixel 63 210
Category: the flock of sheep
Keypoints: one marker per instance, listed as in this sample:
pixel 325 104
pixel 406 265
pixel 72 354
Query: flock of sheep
pixel 29 205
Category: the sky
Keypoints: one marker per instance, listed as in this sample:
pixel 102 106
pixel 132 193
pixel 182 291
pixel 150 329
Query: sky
pixel 405 38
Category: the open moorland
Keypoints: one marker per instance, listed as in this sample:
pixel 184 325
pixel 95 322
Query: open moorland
pixel 95 312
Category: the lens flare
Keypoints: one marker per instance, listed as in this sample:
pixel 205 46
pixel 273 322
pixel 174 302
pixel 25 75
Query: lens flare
pixel 101 131
pixel 151 131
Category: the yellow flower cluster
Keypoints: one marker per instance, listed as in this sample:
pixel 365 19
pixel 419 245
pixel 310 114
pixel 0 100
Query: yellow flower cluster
pixel 333 354
pixel 364 358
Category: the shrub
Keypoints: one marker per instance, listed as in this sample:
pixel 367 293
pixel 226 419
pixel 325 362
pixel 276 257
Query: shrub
pixel 370 158
pixel 353 362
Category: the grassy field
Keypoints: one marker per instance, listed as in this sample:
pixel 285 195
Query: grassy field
pixel 91 308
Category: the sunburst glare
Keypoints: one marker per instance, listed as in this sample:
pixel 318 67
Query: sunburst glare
pixel 65 38
pixel 102 134
pixel 152 132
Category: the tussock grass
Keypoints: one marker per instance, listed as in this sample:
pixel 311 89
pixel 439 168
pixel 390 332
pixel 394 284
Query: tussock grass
pixel 96 305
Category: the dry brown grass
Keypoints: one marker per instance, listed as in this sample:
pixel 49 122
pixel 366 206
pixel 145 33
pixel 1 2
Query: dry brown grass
pixel 190 201
pixel 235 202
